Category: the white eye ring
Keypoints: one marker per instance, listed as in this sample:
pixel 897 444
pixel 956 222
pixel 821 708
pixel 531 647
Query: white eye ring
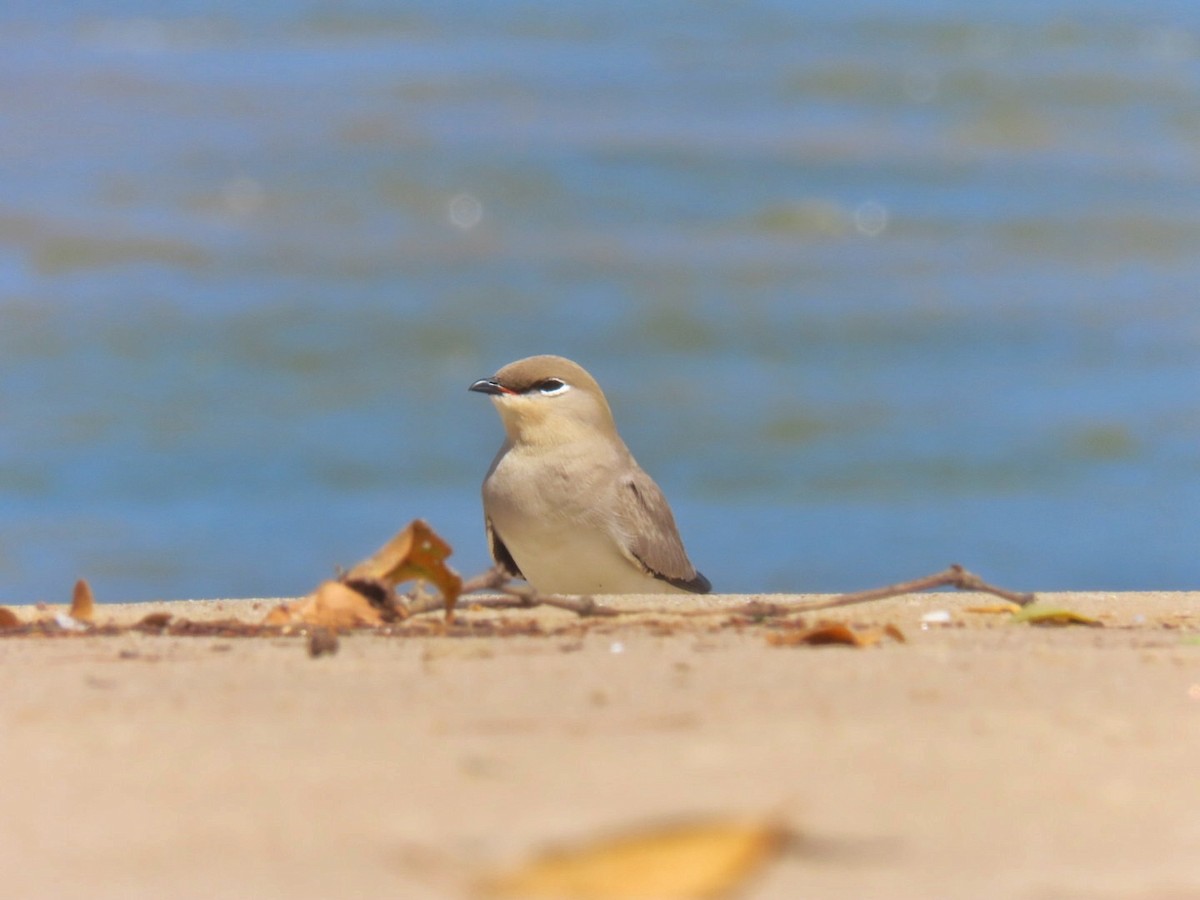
pixel 552 387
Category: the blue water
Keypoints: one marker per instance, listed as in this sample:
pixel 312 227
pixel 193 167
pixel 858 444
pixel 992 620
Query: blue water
pixel 872 287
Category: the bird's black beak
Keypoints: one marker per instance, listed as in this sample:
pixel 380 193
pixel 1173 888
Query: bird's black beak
pixel 489 386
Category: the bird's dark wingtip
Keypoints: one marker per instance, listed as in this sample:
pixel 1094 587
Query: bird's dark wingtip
pixel 500 553
pixel 697 584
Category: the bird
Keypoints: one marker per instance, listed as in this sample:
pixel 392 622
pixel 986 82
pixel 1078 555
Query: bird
pixel 566 506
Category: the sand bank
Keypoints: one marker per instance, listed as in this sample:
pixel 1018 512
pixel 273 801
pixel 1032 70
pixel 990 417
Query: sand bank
pixel 979 758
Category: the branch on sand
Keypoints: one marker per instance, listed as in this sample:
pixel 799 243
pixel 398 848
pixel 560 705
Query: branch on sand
pixel 522 596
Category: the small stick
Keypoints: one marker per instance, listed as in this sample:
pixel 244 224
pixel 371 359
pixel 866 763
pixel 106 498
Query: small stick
pixel 582 605
pixel 424 603
pixel 493 579
pixel 519 596
pixel 955 576
pixel 525 597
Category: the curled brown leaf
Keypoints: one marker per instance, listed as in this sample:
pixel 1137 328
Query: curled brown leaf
pixel 417 552
pixel 83 605
pixel 333 606
pixel 835 633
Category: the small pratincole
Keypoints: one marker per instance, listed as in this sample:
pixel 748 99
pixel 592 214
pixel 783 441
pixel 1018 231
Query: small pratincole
pixel 566 505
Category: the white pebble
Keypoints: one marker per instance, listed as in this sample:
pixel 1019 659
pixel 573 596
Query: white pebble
pixel 66 623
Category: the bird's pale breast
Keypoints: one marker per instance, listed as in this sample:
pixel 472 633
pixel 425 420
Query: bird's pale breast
pixel 564 545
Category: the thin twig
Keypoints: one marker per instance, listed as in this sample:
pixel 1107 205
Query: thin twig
pixel 955 576
pixel 493 579
pixel 582 605
pixel 423 603
pixel 517 596
pixel 523 596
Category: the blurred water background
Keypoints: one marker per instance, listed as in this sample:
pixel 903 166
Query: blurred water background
pixel 872 287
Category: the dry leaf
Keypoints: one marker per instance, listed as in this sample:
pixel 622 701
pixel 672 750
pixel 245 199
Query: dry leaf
pixel 8 619
pixel 1036 614
pixel 83 606
pixel 995 608
pixel 154 621
pixel 835 633
pixel 283 614
pixel 686 860
pixel 417 552
pixel 337 606
pixel 334 606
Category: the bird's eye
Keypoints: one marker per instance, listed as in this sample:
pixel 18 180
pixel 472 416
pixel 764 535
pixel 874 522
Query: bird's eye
pixel 552 386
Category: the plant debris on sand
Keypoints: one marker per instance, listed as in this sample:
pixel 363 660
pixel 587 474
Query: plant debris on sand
pixel 367 597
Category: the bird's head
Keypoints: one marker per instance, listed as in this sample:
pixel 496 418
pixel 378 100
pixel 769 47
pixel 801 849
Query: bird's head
pixel 548 400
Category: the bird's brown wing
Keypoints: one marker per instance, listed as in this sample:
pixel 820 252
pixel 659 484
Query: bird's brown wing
pixel 652 538
pixel 500 553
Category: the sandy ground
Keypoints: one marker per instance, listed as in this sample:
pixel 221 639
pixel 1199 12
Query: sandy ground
pixel 979 759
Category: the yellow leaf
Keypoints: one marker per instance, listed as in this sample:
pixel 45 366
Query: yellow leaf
pixel 685 860
pixel 997 608
pixel 1036 614
pixel 83 606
